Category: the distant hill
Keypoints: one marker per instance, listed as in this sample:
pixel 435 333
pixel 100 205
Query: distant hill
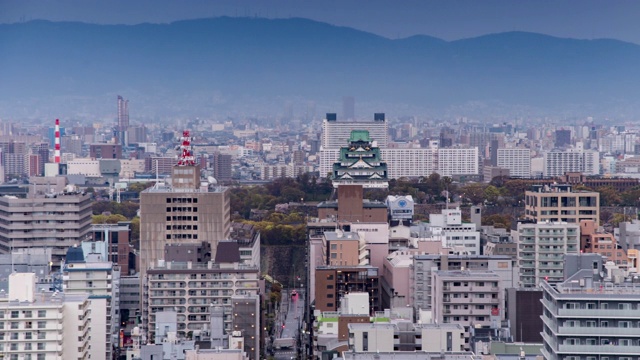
pixel 254 57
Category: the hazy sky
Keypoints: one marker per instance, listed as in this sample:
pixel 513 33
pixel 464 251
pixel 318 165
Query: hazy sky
pixel 447 19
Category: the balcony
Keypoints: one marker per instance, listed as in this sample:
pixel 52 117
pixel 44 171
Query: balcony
pixel 599 349
pixel 598 331
pixel 603 313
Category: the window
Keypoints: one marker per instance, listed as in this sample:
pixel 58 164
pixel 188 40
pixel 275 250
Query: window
pixel 27 346
pixel 14 336
pixel 15 314
pixel 28 314
pixel 42 313
pixel 40 346
pixel 14 325
pixel 42 324
pixel 42 335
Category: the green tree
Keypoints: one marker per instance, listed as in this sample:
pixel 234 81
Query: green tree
pixel 609 196
pixel 497 220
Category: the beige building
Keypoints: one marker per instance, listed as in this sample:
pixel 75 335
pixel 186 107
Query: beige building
pixel 184 212
pixel 561 203
pixel 54 221
pixel 345 248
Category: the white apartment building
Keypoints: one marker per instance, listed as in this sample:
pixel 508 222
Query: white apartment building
pixel 469 298
pixel 541 250
pixel 557 162
pixel 43 326
pixel 517 160
pixel 462 237
pixel 588 320
pixel 336 134
pixel 457 161
pixel 415 162
pixel 100 280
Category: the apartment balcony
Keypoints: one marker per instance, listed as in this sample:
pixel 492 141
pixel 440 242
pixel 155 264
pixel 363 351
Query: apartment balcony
pixel 599 349
pixel 599 313
pixel 597 331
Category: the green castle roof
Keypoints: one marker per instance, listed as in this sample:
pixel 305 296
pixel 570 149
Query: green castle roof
pixel 360 135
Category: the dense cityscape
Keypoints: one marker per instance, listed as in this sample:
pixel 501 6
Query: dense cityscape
pixel 356 237
pixel 319 180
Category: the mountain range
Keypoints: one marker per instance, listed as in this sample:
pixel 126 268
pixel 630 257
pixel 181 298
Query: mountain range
pixel 245 58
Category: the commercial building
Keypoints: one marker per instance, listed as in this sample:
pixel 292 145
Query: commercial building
pixel 53 221
pixel 332 282
pixel 184 212
pixel 541 250
pixel 336 133
pixel 561 203
pixel 105 151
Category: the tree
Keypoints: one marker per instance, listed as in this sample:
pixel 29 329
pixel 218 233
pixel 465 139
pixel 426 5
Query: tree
pixel 474 192
pixel 609 196
pixel 498 221
pixel 491 194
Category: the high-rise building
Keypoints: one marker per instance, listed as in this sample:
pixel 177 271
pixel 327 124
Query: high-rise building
pixel 221 164
pixel 447 137
pixel 458 161
pixel 563 138
pixel 517 160
pixel 557 162
pixel 561 203
pixel 123 121
pixel 541 250
pixel 336 133
pixel 105 151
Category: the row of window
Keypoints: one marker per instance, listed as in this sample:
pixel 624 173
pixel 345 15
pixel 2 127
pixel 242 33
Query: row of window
pixel 27 336
pixel 27 325
pixel 182 200
pixel 15 314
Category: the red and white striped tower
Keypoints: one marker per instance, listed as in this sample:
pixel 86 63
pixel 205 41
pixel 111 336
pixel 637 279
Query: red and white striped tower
pixel 56 153
pixel 186 157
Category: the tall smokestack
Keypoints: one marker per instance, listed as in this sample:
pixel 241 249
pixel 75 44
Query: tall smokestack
pixel 56 153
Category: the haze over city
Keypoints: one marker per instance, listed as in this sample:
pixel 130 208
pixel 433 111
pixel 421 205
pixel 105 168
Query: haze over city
pixel 344 180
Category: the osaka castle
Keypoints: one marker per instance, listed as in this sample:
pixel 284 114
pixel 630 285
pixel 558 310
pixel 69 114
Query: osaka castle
pixel 360 163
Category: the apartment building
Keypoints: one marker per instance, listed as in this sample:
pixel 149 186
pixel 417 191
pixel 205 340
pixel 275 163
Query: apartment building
pixel 541 250
pixel 457 161
pixel 593 239
pixel 463 237
pixel 388 337
pixel 469 298
pixel 191 288
pixel 425 266
pixel 345 248
pixel 332 282
pixel 589 320
pixel 517 160
pixel 559 162
pixel 561 203
pixel 53 221
pixel 43 325
pixel 100 281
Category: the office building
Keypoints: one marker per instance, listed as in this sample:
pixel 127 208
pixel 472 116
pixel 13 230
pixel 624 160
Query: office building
pixel 562 138
pixel 516 160
pixel 184 212
pixel 122 127
pixel 336 133
pixel 541 250
pixel 561 203
pixel 524 310
pixel 43 325
pixel 115 242
pixel 105 151
pixel 52 221
pixel 221 165
pixel 333 282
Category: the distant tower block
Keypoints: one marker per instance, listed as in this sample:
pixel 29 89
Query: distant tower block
pixel 56 153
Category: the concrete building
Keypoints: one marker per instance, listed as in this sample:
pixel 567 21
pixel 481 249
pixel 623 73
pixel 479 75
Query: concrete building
pixel 352 207
pixel 190 289
pixel 517 160
pixel 471 298
pixel 561 203
pixel 43 325
pixel 559 162
pixel 587 319
pixel 345 249
pixel 55 221
pixel 105 151
pixel 100 281
pixel 336 133
pixel 184 212
pixel 541 250
pixel 457 161
pixel 462 237
pixel 332 282
pixel 116 243
pixel 425 266
pixel 248 238
pixel 523 309
pixel 594 240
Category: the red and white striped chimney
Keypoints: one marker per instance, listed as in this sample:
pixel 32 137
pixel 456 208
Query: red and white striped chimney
pixel 56 153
